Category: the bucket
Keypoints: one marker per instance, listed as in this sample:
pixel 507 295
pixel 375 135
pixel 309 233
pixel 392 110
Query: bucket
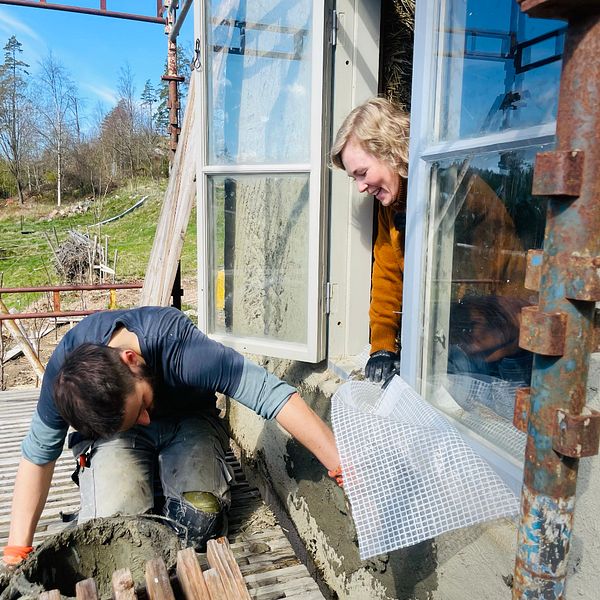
pixel 95 549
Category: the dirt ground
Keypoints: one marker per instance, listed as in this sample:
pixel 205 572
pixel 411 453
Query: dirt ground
pixel 17 372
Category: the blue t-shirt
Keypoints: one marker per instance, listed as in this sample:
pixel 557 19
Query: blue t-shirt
pixel 188 368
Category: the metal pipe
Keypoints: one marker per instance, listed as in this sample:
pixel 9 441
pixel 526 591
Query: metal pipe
pixel 86 11
pixel 560 329
pixel 173 78
pixel 47 315
pixel 71 288
pixel 179 20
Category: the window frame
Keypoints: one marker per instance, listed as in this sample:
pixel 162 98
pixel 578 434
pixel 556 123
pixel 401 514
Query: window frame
pixel 418 248
pixel 314 348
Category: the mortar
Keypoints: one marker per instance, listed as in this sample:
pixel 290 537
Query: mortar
pixel 95 549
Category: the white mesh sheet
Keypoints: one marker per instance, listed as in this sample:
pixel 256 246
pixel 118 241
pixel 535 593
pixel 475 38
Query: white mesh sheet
pixel 407 472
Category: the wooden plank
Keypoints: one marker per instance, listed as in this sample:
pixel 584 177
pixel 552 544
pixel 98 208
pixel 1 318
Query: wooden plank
pixel 23 342
pixel 175 213
pixel 86 590
pixel 215 585
pixel 158 586
pixel 51 595
pixel 123 586
pixel 189 575
pixel 220 557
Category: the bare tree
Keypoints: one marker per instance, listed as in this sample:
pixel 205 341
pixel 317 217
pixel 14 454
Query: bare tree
pixel 55 111
pixel 14 109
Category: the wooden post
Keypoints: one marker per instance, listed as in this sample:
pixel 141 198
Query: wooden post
pixel 190 576
pixel 221 558
pixel 215 585
pixel 86 590
pixel 158 586
pixel 51 595
pixel 28 351
pixel 123 586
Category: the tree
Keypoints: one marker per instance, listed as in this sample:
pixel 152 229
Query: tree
pixel 13 110
pixel 148 99
pixel 55 110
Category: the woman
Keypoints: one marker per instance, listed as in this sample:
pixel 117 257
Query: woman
pixel 372 147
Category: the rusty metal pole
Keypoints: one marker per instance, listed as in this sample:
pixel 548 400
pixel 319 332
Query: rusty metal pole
pixel 561 430
pixel 173 78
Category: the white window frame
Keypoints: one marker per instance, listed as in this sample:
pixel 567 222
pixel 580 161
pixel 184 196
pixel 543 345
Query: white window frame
pixel 418 246
pixel 355 80
pixel 314 349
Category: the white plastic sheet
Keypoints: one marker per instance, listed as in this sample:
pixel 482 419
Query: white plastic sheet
pixel 408 474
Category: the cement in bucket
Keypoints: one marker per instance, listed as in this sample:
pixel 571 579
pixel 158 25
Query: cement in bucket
pixel 95 549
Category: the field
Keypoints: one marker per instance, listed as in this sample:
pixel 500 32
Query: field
pixel 28 235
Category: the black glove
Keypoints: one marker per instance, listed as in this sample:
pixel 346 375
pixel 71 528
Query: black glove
pixel 382 365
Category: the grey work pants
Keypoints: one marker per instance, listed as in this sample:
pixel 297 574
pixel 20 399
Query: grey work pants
pixel 188 452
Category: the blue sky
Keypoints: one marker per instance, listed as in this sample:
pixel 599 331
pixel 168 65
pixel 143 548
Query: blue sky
pixel 93 49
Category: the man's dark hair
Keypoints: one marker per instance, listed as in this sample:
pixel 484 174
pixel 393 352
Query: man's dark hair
pixel 90 390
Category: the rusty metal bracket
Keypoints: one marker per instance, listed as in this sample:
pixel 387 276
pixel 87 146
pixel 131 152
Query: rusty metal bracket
pixel 522 407
pixel 583 278
pixel 533 274
pixel 556 9
pixel 558 173
pixel 596 332
pixel 577 436
pixel 542 333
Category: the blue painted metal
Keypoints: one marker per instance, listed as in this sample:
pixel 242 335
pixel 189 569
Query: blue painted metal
pixel 570 258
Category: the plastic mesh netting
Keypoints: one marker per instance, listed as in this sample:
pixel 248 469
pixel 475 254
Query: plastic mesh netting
pixel 408 474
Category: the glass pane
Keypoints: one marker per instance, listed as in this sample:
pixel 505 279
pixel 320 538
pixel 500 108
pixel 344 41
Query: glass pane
pixel 259 73
pixel 259 264
pixel 485 220
pixel 499 69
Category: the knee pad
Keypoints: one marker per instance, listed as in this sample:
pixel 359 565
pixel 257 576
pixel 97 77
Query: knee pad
pixel 201 516
pixel 203 501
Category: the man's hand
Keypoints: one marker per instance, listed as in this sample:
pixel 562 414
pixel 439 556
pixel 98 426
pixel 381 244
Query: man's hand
pixel 381 365
pixel 337 475
pixel 13 555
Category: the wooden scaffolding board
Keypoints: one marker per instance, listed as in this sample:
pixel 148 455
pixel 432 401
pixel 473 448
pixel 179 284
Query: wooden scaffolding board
pixel 267 562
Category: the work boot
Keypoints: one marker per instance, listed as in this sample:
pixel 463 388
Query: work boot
pixel 201 515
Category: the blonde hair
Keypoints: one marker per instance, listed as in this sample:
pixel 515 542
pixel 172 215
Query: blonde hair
pixel 381 128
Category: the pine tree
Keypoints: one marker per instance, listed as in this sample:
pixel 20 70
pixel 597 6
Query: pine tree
pixel 13 110
pixel 148 99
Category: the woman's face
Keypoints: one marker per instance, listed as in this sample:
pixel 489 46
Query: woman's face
pixel 372 175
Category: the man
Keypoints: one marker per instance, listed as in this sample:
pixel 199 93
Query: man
pixel 138 386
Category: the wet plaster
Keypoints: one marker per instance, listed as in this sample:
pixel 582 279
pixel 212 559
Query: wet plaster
pixel 583 579
pixel 317 508
pixel 95 549
pixel 467 564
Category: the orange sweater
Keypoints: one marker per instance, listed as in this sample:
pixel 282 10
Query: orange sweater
pixel 387 281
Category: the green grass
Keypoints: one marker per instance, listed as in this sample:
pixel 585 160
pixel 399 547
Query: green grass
pixel 27 260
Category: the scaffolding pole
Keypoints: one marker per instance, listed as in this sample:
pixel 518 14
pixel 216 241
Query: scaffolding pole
pixel 560 331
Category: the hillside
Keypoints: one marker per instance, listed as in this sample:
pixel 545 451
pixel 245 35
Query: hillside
pixel 29 234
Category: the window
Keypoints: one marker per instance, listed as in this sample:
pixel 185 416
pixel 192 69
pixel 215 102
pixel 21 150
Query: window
pixel 484 103
pixel 260 174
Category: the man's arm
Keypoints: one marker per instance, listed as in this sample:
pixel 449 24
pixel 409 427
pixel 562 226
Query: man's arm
pixel 31 490
pixel 298 419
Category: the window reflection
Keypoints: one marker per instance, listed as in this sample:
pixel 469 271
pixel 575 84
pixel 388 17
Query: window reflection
pixel 250 46
pixel 485 220
pixel 499 68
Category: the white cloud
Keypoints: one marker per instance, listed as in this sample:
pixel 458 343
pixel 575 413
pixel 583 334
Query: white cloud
pixel 32 42
pixel 11 26
pixel 104 93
